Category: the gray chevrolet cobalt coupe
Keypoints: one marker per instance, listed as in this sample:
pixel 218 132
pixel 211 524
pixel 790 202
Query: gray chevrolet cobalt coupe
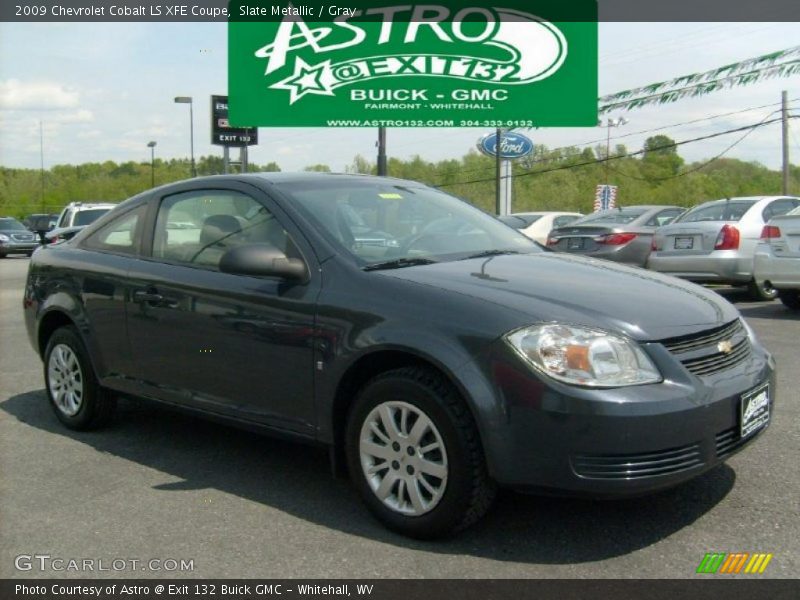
pixel 437 361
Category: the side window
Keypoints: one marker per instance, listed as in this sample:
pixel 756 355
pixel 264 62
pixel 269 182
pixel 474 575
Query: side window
pixel 120 235
pixel 198 227
pixel 665 217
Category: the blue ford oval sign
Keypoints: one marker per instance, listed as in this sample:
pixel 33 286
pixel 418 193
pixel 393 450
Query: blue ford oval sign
pixel 512 145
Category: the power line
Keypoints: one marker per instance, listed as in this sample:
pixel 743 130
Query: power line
pixel 701 166
pixel 644 131
pixel 609 158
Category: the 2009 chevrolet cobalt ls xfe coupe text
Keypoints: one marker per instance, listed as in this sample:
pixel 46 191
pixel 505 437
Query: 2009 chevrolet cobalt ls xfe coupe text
pixel 446 356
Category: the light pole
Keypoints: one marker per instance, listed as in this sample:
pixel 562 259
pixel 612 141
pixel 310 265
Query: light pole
pixel 188 100
pixel 618 122
pixel 152 146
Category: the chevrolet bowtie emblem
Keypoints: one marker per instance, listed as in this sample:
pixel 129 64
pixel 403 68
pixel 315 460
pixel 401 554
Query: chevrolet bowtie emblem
pixel 725 346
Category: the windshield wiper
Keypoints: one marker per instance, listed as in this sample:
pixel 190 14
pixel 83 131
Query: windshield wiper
pixel 486 253
pixel 399 263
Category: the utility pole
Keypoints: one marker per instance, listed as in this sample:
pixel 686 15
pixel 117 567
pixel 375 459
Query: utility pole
pixel 41 162
pixel 498 162
pixel 382 151
pixel 785 127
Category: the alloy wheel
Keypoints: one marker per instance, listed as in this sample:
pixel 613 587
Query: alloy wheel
pixel 65 380
pixel 403 458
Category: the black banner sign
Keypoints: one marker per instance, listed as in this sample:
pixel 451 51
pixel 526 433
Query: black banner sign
pixel 222 134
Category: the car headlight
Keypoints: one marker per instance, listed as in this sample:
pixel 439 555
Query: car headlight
pixel 4 238
pixel 583 356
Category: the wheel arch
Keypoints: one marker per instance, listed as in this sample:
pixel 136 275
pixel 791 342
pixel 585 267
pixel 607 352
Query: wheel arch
pixel 363 370
pixel 48 325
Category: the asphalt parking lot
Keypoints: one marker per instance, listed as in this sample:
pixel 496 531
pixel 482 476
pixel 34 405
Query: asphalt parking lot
pixel 162 485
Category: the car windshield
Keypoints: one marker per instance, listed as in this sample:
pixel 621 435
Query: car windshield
pixel 379 221
pixel 794 212
pixel 85 217
pixel 717 211
pixel 621 216
pixel 11 225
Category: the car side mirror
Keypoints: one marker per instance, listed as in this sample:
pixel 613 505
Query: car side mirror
pixel 262 260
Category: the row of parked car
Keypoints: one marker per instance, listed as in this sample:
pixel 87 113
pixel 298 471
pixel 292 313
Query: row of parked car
pixel 733 241
pixel 23 237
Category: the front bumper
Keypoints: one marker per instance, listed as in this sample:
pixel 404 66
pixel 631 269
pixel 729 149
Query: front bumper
pixel 721 266
pixel 782 272
pixel 13 247
pixel 555 438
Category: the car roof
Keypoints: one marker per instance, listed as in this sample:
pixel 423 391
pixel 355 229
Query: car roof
pixel 544 212
pixel 79 205
pixel 748 199
pixel 278 177
pixel 645 207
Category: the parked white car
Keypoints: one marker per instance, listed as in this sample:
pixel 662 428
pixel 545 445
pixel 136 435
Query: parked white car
pixel 536 225
pixel 715 242
pixel 777 260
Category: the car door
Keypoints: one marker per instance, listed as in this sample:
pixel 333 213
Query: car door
pixel 110 253
pixel 230 344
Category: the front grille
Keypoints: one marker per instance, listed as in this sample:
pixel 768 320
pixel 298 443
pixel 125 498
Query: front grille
pixel 22 237
pixel 719 361
pixel 701 353
pixel 712 337
pixel 638 466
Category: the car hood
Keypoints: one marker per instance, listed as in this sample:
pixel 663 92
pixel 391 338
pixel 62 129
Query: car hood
pixel 582 291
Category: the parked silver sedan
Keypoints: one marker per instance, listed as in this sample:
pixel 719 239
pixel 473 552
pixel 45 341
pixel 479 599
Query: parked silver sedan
pixel 620 234
pixel 715 242
pixel 777 261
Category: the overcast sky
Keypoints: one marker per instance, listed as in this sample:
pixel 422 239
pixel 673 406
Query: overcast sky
pixel 103 90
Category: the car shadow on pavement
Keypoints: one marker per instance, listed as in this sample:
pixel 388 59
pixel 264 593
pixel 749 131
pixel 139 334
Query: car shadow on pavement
pixel 296 479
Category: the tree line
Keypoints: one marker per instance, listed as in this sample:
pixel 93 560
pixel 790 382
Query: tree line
pixel 550 179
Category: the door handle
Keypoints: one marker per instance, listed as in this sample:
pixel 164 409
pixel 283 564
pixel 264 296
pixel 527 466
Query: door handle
pixel 151 296
pixel 147 296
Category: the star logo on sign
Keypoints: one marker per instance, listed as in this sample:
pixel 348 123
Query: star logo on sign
pixel 307 79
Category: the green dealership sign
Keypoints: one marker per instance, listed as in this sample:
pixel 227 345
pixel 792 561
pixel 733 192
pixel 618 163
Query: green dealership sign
pixel 507 64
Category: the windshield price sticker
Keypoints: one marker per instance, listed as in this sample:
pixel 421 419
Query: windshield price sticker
pixel 446 63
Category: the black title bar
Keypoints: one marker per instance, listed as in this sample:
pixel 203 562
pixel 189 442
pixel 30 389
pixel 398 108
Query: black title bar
pixel 218 10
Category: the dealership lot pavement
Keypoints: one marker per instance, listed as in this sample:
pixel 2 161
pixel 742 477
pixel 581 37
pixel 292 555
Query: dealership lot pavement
pixel 161 485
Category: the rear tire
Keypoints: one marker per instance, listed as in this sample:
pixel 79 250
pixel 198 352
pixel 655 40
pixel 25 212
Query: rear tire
pixel 758 292
pixel 72 388
pixel 790 298
pixel 415 456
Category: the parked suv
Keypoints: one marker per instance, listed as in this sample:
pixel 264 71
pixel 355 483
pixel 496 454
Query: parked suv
pixel 15 238
pixel 715 242
pixel 40 224
pixel 76 216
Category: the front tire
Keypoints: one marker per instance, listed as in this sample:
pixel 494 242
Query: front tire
pixel 790 298
pixel 72 388
pixel 415 456
pixel 761 292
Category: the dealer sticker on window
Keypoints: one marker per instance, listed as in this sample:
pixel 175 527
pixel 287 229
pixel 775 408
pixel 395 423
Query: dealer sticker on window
pixel 755 410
